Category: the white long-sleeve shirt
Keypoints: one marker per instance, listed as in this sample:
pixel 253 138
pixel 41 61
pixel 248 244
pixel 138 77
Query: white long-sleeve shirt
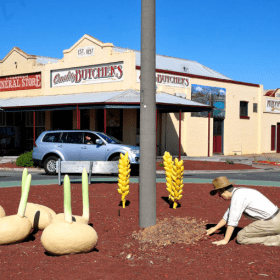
pixel 251 202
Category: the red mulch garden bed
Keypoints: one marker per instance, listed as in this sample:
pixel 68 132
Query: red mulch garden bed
pixel 124 251
pixel 268 162
pixel 209 165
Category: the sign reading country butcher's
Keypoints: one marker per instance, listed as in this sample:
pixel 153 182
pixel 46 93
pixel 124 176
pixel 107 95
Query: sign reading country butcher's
pixel 20 82
pixel 273 106
pixel 103 73
pixel 168 80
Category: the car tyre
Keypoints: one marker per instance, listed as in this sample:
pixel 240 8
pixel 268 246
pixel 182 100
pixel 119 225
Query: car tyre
pixel 50 165
pixel 115 158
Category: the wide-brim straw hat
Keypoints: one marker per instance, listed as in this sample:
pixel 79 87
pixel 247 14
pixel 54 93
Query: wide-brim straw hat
pixel 220 183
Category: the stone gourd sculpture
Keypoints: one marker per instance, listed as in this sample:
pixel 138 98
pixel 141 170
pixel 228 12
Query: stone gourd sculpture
pixel 40 216
pixel 85 217
pixel 16 228
pixel 68 237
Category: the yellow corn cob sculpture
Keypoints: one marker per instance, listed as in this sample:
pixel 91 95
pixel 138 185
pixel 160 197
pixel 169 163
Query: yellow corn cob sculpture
pixel 174 172
pixel 168 166
pixel 177 183
pixel 124 174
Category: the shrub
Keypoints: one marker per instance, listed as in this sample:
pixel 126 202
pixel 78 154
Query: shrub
pixel 25 160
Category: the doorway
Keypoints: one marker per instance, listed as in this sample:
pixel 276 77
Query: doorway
pixel 278 138
pixel 218 128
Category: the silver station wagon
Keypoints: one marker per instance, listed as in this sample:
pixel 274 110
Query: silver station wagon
pixel 79 145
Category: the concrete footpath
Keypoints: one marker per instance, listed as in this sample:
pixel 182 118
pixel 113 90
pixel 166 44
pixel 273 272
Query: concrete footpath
pixel 248 159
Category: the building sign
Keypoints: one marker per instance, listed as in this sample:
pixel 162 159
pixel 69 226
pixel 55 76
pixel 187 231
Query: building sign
pixel 168 80
pixel 272 106
pixel 20 82
pixel 86 51
pixel 213 96
pixel 104 73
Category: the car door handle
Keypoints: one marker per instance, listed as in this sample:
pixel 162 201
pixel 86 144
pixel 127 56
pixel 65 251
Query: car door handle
pixel 59 146
pixel 84 147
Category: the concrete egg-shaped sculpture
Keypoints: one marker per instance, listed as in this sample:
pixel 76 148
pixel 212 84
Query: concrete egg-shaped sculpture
pixel 2 212
pixel 68 237
pixel 85 217
pixel 16 228
pixel 40 216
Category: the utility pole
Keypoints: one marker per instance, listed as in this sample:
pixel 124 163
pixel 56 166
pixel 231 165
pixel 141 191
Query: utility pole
pixel 147 176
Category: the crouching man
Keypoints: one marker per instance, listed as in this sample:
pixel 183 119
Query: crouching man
pixel 266 226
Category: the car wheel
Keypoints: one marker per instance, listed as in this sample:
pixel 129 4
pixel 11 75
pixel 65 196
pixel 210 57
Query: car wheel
pixel 50 165
pixel 115 158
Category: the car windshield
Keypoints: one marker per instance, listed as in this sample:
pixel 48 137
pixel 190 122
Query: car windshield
pixel 109 139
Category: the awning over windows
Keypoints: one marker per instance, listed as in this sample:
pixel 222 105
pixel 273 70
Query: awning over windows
pixel 116 99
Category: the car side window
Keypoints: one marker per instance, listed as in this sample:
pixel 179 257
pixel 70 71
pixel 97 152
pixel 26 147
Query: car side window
pixel 90 138
pixel 73 138
pixel 52 137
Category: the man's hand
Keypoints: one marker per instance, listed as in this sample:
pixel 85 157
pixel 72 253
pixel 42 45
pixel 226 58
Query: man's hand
pixel 211 230
pixel 221 242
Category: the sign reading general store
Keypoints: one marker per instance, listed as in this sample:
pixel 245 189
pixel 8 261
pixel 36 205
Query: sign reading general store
pixel 168 80
pixel 20 82
pixel 104 73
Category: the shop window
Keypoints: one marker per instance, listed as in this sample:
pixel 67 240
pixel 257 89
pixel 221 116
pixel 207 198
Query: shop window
pixel 114 123
pixel 39 127
pixel 244 110
pixel 10 119
pixel 85 119
pixel 273 137
pixel 2 119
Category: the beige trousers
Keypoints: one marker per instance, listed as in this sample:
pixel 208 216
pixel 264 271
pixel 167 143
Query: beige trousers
pixel 264 232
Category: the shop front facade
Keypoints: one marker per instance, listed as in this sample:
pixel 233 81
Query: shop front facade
pixel 96 86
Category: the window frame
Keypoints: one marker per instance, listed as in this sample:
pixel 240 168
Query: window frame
pixel 241 115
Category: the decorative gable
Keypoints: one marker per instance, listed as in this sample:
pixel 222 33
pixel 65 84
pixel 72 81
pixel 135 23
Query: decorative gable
pixel 87 48
pixel 16 61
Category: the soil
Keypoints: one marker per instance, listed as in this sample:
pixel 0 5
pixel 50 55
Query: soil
pixel 176 247
pixel 209 165
pixel 10 165
pixel 188 165
pixel 267 162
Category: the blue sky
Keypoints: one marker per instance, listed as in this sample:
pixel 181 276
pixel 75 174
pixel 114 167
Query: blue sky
pixel 239 39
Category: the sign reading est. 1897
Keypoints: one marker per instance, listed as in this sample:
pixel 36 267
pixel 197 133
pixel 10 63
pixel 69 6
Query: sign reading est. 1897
pixel 86 51
pixel 104 73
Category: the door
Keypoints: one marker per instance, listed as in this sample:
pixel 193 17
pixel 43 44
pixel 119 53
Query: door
pixel 71 145
pixel 273 137
pixel 278 138
pixel 114 123
pixel 218 136
pixel 90 150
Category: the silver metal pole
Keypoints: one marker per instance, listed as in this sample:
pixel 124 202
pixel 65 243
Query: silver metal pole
pixel 147 175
